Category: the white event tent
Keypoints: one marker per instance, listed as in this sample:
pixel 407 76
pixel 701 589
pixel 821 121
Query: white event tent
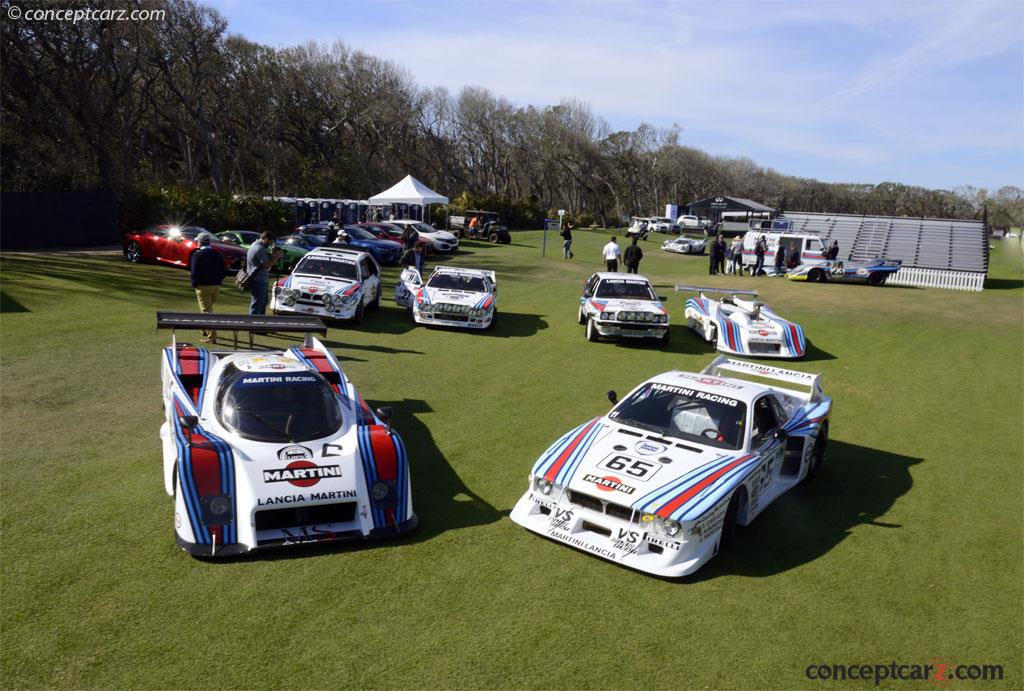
pixel 409 190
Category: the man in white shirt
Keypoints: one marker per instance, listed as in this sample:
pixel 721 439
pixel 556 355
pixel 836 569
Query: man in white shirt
pixel 611 254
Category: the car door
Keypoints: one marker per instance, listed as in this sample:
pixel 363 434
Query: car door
pixel 370 276
pixel 765 426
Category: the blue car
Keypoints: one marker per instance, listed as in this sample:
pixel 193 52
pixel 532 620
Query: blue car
pixel 384 251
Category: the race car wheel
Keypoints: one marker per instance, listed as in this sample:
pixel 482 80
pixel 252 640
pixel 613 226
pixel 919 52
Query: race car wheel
pixel 133 253
pixel 818 452
pixel 816 276
pixel 358 316
pixel 876 279
pixel 580 317
pixel 663 340
pixel 494 321
pixel 493 237
pixel 457 233
pixel 375 305
pixel 710 333
pixel 592 334
pixel 737 504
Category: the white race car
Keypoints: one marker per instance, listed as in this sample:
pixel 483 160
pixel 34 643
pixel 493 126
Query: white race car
pixel 660 483
pixel 742 327
pixel 462 298
pixel 273 448
pixel 684 245
pixel 332 282
pixel 618 305
pixel 439 240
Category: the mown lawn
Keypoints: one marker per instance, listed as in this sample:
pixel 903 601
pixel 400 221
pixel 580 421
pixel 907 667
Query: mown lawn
pixel 906 548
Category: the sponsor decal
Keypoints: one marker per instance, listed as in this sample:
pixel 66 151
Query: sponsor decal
pixel 315 496
pixel 710 523
pixel 329 450
pixel 710 381
pixel 543 501
pixel 277 379
pixel 301 473
pixel 294 453
pixel 663 542
pixel 627 541
pixel 648 448
pixel 634 467
pixel 609 483
pixel 580 544
pixel 560 520
pixel 691 393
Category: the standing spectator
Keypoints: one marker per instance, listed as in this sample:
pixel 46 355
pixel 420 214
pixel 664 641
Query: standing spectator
pixel 633 256
pixel 713 258
pixel 419 256
pixel 207 269
pixel 737 255
pixel 409 237
pixel 258 262
pixel 471 228
pixel 567 241
pixel 760 248
pixel 833 251
pixel 721 254
pixel 332 233
pixel 780 259
pixel 611 253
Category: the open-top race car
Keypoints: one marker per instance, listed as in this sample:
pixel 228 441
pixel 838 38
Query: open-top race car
pixel 617 305
pixel 684 245
pixel 874 272
pixel 272 448
pixel 660 483
pixel 742 327
pixel 334 282
pixel 461 298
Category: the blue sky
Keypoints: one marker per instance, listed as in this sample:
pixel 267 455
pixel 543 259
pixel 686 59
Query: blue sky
pixel 923 93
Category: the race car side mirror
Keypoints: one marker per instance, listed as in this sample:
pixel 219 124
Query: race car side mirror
pixel 781 434
pixel 188 423
pixel 384 413
pixel 661 298
pixel 613 397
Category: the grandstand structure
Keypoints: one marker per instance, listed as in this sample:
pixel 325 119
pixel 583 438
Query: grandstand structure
pixel 936 252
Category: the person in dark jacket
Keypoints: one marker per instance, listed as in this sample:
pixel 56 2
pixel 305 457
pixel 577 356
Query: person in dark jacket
pixel 258 261
pixel 720 241
pixel 760 248
pixel 833 251
pixel 409 237
pixel 567 241
pixel 713 259
pixel 207 269
pixel 780 260
pixel 633 256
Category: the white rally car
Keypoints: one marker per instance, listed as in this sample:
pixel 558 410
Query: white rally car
pixel 437 240
pixel 461 298
pixel 684 245
pixel 331 282
pixel 660 483
pixel 617 305
pixel 742 327
pixel 274 448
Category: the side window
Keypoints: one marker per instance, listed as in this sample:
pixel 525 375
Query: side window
pixel 590 287
pixel 370 267
pixel 764 420
pixel 364 269
pixel 809 244
pixel 780 413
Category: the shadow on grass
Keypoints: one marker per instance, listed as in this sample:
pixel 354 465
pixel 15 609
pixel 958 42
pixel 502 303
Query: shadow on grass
pixel 814 353
pixel 856 486
pixel 441 501
pixel 1003 284
pixel 9 304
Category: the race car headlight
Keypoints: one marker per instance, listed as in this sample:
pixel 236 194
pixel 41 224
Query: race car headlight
pixel 542 485
pixel 220 505
pixel 328 302
pixel 671 527
pixel 475 313
pixel 608 315
pixel 661 318
pixel 346 300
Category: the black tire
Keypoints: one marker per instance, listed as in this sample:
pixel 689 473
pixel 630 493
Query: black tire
pixel 737 504
pixel 592 334
pixel 357 318
pixel 493 238
pixel 133 253
pixel 818 452
pixel 375 305
pixel 457 233
pixel 816 276
pixel 663 340
pixel 581 317
pixel 507 240
pixel 876 279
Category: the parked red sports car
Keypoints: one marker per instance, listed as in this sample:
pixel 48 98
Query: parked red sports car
pixel 383 231
pixel 174 245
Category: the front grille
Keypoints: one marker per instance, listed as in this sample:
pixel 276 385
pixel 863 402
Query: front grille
pixel 761 347
pixel 296 516
pixel 594 504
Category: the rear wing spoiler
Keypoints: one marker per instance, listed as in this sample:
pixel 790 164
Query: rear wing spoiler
pixel 702 289
pixel 246 323
pixel 722 365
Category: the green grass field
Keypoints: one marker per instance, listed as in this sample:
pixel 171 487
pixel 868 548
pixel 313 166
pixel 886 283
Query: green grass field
pixel 907 547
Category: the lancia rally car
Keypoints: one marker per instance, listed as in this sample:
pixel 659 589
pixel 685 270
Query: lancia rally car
pixel 274 448
pixel 874 272
pixel 660 483
pixel 332 282
pixel 742 327
pixel 461 298
pixel 617 305
pixel 683 245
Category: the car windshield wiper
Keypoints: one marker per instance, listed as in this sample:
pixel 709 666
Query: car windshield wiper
pixel 285 433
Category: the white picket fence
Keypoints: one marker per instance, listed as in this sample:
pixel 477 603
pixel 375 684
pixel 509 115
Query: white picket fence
pixel 935 278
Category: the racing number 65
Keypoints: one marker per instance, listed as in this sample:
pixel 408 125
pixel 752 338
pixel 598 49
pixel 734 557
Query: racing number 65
pixel 630 466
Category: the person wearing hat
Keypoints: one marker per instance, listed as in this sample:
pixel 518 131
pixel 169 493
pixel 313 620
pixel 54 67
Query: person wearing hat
pixel 207 269
pixel 258 261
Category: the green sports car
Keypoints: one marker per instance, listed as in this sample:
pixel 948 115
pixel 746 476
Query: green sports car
pixel 244 238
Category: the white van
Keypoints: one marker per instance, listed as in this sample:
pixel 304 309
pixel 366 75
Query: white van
pixel 810 248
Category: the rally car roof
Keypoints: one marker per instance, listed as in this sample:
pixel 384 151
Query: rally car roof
pixel 621 276
pixel 483 273
pixel 349 252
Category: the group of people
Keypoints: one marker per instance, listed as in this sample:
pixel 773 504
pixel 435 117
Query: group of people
pixel 724 258
pixel 631 257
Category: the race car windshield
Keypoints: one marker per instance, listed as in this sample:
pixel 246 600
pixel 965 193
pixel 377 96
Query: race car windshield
pixel 446 281
pixel 619 288
pixel 327 266
pixel 278 408
pixel 676 411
